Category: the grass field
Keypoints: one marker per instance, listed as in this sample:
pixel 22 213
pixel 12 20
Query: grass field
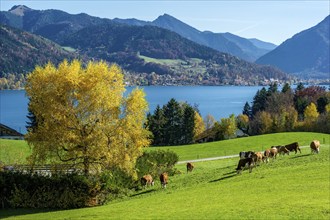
pixel 12 152
pixel 254 143
pixel 290 187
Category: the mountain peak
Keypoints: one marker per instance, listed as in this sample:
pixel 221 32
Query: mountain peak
pixel 20 10
pixel 166 17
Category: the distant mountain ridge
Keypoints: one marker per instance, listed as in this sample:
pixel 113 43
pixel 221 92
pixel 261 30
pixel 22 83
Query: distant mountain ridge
pixel 22 51
pixel 243 48
pixel 55 24
pixel 148 54
pixel 306 53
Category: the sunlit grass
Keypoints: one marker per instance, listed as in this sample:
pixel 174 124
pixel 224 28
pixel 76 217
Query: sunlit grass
pixel 290 187
pixel 15 151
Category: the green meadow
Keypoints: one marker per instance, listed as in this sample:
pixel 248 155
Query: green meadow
pixel 290 187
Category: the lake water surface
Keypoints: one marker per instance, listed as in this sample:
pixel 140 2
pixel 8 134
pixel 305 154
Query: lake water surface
pixel 219 101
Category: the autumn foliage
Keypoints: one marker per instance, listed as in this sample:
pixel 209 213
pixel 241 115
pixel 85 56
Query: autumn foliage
pixel 83 118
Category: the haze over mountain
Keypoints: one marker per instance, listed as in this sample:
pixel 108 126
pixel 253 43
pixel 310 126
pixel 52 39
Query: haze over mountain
pixel 148 54
pixel 243 48
pixel 306 53
pixel 53 24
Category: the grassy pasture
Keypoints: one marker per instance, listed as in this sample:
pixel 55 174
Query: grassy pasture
pixel 162 61
pixel 290 187
pixel 234 146
pixel 13 151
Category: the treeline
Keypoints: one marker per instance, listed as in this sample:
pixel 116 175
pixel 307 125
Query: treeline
pixel 271 111
pixel 301 109
pixel 174 124
pixel 12 81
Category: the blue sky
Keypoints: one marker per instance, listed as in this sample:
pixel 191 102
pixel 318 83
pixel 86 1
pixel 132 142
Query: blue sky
pixel 272 21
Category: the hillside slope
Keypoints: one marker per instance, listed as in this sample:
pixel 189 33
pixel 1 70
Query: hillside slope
pixel 243 48
pixel 188 63
pixel 22 51
pixel 213 190
pixel 123 44
pixel 306 53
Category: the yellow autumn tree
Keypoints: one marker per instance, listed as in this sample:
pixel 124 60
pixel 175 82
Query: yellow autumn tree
pixel 199 125
pixel 83 118
pixel 310 112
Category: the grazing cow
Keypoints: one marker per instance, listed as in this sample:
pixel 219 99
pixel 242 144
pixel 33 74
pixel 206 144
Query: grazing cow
pixel 257 157
pixel 293 147
pixel 266 156
pixel 315 146
pixel 245 163
pixel 283 150
pixel 273 152
pixel 163 179
pixel 147 180
pixel 190 167
pixel 247 154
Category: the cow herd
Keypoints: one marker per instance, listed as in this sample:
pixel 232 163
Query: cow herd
pixel 251 159
pixel 248 160
pixel 147 180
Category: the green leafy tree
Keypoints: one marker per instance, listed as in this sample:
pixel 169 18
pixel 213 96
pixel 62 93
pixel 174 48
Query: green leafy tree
pixel 226 128
pixel 247 110
pixel 172 128
pixel 286 88
pixel 156 124
pixel 273 88
pixel 32 124
pixel 261 124
pixel 259 101
pixel 321 103
pixel 188 125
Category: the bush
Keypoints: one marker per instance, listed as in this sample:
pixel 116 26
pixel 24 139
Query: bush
pixel 20 190
pixel 66 191
pixel 156 162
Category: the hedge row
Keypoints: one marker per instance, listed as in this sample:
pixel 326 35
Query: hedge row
pixel 67 191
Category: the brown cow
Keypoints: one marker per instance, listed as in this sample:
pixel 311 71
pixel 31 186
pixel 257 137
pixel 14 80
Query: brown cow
pixel 257 157
pixel 315 146
pixel 190 167
pixel 293 147
pixel 273 152
pixel 266 156
pixel 283 150
pixel 147 180
pixel 163 179
pixel 246 162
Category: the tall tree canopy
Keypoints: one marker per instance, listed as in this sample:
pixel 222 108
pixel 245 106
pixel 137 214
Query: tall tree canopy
pixel 83 118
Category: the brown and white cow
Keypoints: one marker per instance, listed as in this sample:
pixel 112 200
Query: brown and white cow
pixel 163 179
pixel 190 167
pixel 265 157
pixel 315 146
pixel 147 180
pixel 245 163
pixel 293 147
pixel 273 152
pixel 282 150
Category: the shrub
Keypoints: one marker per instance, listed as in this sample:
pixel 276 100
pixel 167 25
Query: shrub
pixel 156 162
pixel 20 190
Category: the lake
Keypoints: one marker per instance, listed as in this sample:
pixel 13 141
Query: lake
pixel 219 101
